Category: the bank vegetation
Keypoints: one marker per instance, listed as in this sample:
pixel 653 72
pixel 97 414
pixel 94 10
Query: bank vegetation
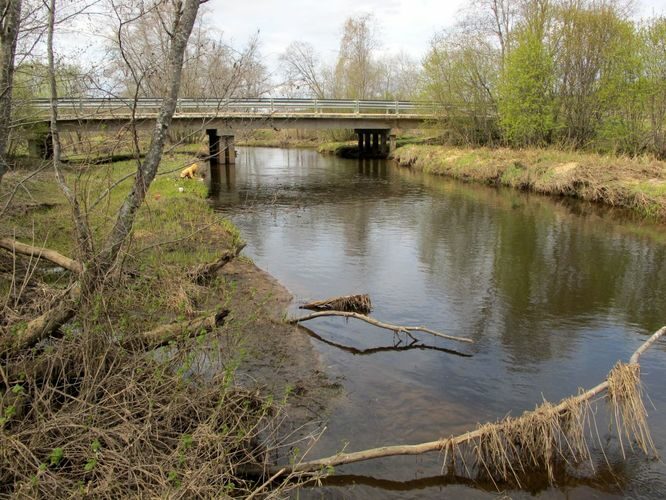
pixel 637 184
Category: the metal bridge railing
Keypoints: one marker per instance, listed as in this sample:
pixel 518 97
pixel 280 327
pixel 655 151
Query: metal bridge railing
pixel 260 106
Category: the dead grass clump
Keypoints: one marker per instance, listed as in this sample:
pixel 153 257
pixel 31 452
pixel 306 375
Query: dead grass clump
pixel 348 303
pixel 536 441
pixel 629 413
pixel 117 424
pixel 550 435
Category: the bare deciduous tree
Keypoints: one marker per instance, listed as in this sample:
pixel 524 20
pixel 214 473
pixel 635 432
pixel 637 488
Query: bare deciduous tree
pixel 303 69
pixel 356 71
pixel 10 16
pixel 97 260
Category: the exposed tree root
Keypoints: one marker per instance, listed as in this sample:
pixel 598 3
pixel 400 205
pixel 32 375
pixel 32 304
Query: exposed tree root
pixel 164 334
pixel 203 274
pixel 15 246
pixel 348 303
pixel 506 449
pixel 380 324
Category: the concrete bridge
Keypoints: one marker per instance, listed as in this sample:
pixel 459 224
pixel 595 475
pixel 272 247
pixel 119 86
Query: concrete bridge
pixel 222 119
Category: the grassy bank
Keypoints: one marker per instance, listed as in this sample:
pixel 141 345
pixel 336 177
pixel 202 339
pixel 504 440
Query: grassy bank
pixel 90 411
pixel 336 148
pixel 638 184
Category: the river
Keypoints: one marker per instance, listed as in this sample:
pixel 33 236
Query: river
pixel 553 292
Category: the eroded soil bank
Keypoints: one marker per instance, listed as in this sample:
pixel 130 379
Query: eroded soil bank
pixel 638 184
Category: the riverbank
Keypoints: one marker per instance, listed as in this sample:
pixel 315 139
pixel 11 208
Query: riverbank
pixel 637 184
pixel 266 375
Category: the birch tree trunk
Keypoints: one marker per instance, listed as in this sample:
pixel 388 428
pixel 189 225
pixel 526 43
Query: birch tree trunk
pixel 184 18
pixel 10 17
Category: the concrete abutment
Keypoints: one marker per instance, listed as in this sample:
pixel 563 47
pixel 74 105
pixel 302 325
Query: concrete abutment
pixel 375 143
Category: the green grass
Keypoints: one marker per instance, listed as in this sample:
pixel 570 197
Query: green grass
pixel 173 233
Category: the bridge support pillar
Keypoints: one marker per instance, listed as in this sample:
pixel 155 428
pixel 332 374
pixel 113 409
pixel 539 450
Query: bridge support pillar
pixel 373 143
pixel 367 147
pixel 229 150
pixel 221 148
pixel 41 146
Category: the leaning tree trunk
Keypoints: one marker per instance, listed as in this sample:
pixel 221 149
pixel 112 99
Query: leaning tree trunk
pixel 10 17
pixel 97 267
pixel 186 13
pixel 83 234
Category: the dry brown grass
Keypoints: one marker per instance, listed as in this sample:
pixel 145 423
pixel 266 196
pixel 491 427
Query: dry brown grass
pixel 349 303
pixel 553 435
pixel 89 413
pixel 638 184
pixel 88 417
pixel 629 413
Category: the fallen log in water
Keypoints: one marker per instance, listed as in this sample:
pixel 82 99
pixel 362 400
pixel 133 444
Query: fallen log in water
pixel 348 303
pixel 535 440
pixel 380 324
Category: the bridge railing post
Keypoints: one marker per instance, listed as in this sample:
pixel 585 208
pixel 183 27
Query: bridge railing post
pixel 358 106
pixel 397 108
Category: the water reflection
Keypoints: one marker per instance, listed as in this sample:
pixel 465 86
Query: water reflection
pixel 398 345
pixel 553 292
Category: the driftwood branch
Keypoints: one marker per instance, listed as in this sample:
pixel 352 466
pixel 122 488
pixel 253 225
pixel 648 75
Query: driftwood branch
pixel 349 303
pixel 15 246
pixel 380 324
pixel 476 436
pixel 164 334
pixel 204 274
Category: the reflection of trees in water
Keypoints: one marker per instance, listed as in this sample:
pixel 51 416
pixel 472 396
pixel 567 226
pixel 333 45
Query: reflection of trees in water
pixel 290 177
pixel 510 265
pixel 524 268
pixel 399 344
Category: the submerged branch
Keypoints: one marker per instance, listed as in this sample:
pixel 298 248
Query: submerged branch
pixel 380 324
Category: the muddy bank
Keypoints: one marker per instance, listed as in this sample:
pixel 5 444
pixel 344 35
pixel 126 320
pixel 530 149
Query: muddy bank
pixel 278 357
pixel 637 184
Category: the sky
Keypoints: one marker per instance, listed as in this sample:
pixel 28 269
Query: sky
pixel 404 25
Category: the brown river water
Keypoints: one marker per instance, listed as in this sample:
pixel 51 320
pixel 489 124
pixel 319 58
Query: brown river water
pixel 553 292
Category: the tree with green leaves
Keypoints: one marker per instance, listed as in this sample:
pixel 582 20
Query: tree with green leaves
pixel 653 57
pixel 356 71
pixel 526 103
pixel 460 75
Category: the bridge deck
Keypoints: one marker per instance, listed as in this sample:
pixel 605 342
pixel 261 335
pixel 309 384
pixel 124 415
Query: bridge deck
pixel 231 114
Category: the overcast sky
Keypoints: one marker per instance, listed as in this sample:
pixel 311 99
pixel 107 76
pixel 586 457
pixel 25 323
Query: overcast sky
pixel 405 25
